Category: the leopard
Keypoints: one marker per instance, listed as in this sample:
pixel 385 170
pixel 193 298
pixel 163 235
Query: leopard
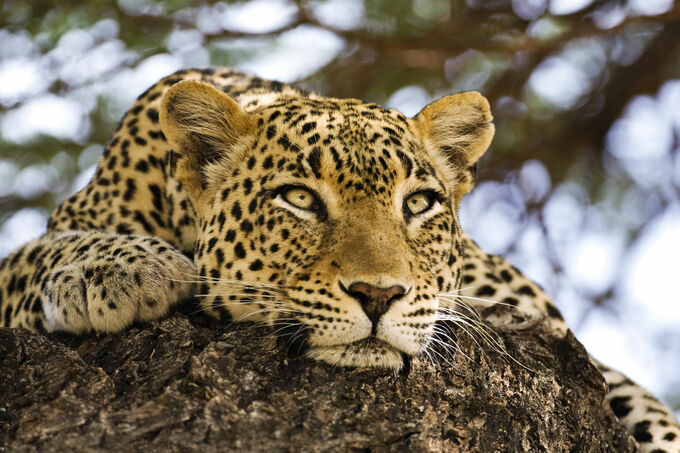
pixel 333 221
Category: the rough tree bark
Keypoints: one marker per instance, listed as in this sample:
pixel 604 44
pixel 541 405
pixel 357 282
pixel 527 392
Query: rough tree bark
pixel 185 385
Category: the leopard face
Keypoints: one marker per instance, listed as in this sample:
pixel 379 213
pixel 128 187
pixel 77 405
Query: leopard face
pixel 334 221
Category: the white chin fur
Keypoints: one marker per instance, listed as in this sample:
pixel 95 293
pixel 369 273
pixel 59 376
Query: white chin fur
pixel 362 354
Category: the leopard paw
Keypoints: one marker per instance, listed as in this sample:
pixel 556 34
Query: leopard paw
pixel 107 294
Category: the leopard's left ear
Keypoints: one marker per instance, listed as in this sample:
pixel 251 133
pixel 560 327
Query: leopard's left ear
pixel 456 131
pixel 204 126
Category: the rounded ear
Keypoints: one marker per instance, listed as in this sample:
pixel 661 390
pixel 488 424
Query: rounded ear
pixel 457 130
pixel 202 125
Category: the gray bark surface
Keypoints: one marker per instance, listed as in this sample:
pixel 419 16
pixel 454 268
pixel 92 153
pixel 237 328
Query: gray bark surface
pixel 184 385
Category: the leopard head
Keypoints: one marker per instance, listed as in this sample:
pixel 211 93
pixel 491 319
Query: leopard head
pixel 332 220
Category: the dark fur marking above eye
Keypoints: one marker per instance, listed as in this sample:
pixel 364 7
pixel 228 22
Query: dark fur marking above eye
pixel 314 160
pixel 406 162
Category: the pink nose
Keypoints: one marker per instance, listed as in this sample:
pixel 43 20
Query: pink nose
pixel 375 301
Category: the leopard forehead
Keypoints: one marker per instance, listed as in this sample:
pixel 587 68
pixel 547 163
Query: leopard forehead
pixel 357 145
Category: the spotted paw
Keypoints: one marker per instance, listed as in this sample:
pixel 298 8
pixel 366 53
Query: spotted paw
pixel 133 279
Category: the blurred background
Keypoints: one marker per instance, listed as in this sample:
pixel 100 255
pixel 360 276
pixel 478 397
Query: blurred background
pixel 581 187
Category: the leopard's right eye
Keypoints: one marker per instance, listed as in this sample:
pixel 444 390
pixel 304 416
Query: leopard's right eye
pixel 300 198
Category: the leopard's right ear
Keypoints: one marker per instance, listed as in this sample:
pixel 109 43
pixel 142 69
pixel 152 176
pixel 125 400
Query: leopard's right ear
pixel 203 126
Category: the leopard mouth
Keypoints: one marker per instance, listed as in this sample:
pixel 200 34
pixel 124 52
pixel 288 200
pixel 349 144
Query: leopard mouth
pixel 369 344
pixel 367 352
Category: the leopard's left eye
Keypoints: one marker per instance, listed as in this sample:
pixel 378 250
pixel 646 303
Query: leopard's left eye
pixel 419 202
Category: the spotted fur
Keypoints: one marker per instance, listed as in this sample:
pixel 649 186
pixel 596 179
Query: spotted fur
pixel 332 220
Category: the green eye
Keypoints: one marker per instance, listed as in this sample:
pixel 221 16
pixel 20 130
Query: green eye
pixel 419 202
pixel 301 198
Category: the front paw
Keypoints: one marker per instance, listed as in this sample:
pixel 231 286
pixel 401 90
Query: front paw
pixel 108 295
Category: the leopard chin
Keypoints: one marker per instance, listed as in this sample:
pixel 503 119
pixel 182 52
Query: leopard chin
pixel 366 353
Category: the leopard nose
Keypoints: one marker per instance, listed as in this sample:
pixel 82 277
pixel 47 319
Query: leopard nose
pixel 374 300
